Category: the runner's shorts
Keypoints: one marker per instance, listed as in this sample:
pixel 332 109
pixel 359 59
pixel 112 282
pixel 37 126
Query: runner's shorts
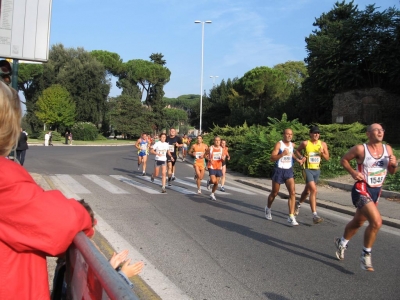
pixel 362 194
pixel 281 175
pixel 169 159
pixel 216 173
pixel 142 153
pixel 311 175
pixel 160 163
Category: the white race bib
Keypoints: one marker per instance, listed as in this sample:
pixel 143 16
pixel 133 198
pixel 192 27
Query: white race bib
pixel 314 158
pixel 162 152
pixel 217 156
pixel 286 159
pixel 375 176
pixel 143 147
pixel 171 148
pixel 185 145
pixel 199 154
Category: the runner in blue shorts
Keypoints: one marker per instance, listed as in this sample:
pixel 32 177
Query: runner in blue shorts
pixel 283 157
pixel 143 146
pixel 374 160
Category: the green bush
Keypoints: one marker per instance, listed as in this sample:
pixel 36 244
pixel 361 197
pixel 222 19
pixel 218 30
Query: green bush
pixel 101 137
pixel 84 131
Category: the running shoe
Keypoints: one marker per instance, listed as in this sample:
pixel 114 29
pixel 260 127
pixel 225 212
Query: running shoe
pixel 173 178
pixel 152 178
pixel 297 208
pixel 163 190
pixel 292 221
pixel 199 191
pixel 366 262
pixel 208 184
pixel 339 249
pixel 268 215
pixel 183 159
pixel 222 189
pixel 144 174
pixel 212 197
pixel 169 183
pixel 317 219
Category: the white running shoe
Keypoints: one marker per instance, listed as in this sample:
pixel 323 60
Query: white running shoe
pixel 199 191
pixel 339 249
pixel 212 197
pixel 268 215
pixel 366 262
pixel 292 221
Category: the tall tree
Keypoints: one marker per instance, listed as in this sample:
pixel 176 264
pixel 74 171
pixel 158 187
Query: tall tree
pixel 350 49
pixel 129 116
pixel 55 107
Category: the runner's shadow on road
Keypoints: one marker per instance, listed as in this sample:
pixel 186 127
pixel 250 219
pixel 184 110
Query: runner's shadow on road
pixel 274 242
pixel 274 296
pixel 205 199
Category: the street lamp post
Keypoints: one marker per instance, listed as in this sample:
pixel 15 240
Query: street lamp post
pixel 213 78
pixel 202 63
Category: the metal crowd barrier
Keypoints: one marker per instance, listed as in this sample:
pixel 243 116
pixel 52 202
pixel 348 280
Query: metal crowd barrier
pixel 89 275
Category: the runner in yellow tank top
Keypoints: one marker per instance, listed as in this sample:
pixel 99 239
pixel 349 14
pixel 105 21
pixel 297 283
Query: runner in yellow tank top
pixel 314 150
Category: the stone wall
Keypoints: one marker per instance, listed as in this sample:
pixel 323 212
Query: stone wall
pixel 369 106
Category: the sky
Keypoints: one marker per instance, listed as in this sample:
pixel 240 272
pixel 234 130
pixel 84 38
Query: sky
pixel 244 34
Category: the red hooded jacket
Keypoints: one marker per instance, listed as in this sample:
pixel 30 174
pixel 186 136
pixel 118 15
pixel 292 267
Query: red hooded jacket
pixel 33 224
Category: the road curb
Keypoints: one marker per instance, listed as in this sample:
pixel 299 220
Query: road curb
pixel 349 187
pixel 327 204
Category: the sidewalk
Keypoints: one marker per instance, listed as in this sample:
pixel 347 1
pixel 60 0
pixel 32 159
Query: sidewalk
pixel 335 196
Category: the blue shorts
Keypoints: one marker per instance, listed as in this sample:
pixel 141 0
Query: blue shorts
pixel 142 153
pixel 281 175
pixel 216 173
pixel 362 194
pixel 311 175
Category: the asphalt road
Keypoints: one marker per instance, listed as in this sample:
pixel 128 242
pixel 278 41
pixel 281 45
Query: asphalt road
pixel 224 249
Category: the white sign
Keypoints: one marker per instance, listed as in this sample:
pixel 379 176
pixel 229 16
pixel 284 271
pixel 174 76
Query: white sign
pixel 25 29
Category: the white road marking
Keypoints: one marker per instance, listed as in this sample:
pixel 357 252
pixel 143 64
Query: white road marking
pixel 72 184
pixel 135 184
pixel 63 188
pixel 160 284
pixel 175 188
pixel 113 189
pixel 230 188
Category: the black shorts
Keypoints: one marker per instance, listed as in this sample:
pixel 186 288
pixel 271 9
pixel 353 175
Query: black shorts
pixel 224 162
pixel 281 175
pixel 160 163
pixel 170 161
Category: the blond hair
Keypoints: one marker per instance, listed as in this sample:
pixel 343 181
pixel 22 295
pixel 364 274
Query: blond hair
pixel 10 118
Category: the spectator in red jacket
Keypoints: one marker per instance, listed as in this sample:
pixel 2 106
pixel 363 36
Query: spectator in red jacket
pixel 33 223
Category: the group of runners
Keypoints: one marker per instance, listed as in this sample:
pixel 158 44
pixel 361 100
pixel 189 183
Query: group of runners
pixel 374 159
pixel 166 149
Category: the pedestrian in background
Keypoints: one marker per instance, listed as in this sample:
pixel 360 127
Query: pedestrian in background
pixel 66 137
pixel 46 139
pixel 70 138
pixel 22 146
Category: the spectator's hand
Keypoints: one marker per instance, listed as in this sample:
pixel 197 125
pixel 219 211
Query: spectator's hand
pixel 132 270
pixel 118 259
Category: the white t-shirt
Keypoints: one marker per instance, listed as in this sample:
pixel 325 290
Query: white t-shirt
pixel 161 148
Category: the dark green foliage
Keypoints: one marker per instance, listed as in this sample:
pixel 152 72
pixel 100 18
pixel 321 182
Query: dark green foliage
pixel 84 131
pixel 251 146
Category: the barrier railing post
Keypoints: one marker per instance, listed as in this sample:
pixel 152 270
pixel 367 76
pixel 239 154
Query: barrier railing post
pixel 90 276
